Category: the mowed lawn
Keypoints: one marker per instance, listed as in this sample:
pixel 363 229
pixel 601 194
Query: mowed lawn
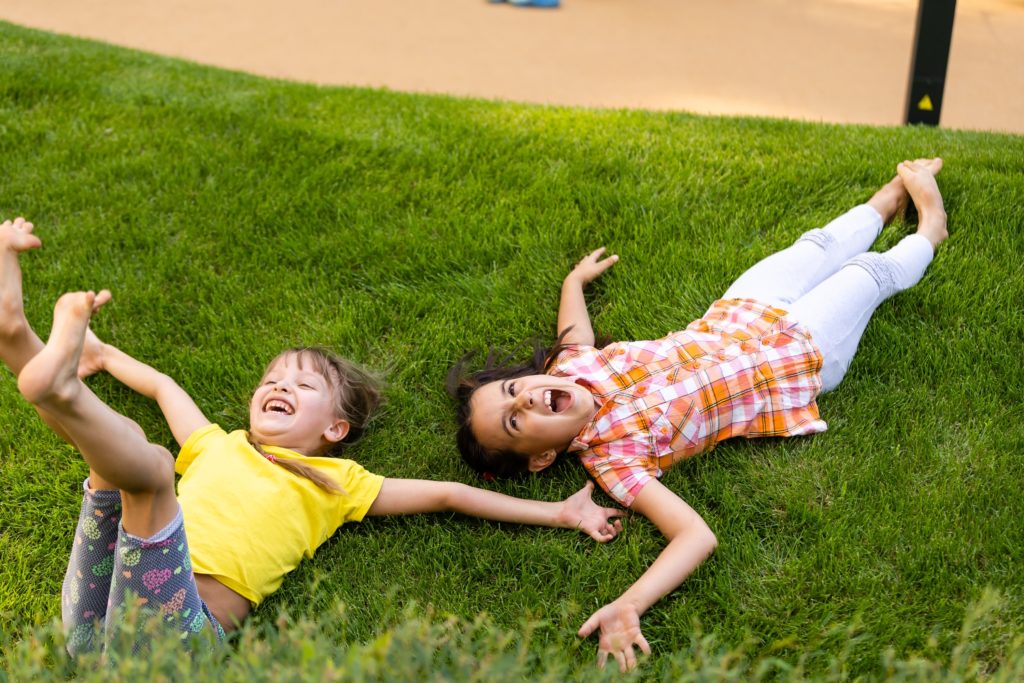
pixel 233 216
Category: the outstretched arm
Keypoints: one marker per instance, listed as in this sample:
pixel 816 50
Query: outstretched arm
pixel 578 511
pixel 572 308
pixel 181 412
pixel 690 542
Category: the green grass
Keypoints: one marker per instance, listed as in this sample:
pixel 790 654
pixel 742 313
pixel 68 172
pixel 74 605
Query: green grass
pixel 233 216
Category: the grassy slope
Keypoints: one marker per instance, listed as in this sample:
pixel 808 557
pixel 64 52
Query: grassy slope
pixel 233 216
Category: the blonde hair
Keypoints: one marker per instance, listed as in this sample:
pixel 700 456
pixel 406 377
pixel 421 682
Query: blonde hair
pixel 357 396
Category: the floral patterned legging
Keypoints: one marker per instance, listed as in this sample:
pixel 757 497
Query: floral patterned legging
pixel 110 569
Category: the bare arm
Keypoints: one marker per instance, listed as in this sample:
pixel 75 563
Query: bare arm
pixel 412 496
pixel 690 542
pixel 572 308
pixel 182 414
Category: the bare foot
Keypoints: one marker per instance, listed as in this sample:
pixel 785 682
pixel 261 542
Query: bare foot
pixel 91 360
pixel 919 179
pixel 15 237
pixel 892 199
pixel 51 378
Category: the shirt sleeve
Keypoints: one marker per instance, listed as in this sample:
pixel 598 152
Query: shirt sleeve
pixel 622 477
pixel 571 359
pixel 197 442
pixel 361 488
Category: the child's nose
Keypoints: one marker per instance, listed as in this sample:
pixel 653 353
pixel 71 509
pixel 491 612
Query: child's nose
pixel 524 400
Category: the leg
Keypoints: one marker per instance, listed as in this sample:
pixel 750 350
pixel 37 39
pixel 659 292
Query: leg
pixel 155 575
pixel 837 311
pixel 18 342
pixel 112 445
pixel 784 277
pixel 86 588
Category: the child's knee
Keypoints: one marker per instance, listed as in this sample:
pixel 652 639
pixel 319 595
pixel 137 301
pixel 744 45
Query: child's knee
pixel 166 463
pixel 819 237
pixel 888 274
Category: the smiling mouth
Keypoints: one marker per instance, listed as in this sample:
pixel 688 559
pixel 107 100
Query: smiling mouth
pixel 278 406
pixel 557 400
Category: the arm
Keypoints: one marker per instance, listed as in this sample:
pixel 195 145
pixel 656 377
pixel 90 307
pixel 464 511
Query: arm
pixel 578 511
pixel 572 308
pixel 182 414
pixel 690 541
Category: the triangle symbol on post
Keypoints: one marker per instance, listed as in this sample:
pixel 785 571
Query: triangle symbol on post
pixel 925 104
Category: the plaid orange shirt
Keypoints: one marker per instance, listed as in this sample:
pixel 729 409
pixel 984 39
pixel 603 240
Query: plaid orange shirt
pixel 743 369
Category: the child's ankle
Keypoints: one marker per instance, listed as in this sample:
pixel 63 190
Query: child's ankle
pixel 13 326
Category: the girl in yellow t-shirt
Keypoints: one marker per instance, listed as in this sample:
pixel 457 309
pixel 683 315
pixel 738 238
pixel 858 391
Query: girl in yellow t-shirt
pixel 250 504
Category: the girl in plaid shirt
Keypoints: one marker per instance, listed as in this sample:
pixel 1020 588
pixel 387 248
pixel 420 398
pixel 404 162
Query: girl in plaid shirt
pixel 752 366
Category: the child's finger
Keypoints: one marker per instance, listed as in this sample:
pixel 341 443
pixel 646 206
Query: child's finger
pixel 588 627
pixel 642 642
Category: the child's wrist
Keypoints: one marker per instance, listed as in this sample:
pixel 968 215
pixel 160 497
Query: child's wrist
pixel 565 518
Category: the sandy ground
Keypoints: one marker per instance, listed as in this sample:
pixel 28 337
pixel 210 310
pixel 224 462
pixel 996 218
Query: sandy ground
pixel 819 60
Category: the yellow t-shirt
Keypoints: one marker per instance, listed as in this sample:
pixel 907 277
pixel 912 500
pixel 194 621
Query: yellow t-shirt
pixel 248 520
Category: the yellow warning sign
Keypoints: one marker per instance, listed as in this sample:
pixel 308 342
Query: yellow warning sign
pixel 925 104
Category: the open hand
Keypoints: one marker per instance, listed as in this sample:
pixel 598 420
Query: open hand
pixel 619 623
pixel 592 266
pixel 579 511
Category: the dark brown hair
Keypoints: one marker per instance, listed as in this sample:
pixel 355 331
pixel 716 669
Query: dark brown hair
pixel 357 396
pixel 498 366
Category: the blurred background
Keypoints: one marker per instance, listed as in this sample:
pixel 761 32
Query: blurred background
pixel 842 61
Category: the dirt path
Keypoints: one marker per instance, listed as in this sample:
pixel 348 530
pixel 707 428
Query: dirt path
pixel 827 60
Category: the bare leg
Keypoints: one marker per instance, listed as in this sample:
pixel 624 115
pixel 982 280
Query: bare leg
pixel 111 445
pixel 18 342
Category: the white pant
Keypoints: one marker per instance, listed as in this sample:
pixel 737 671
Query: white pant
pixel 831 284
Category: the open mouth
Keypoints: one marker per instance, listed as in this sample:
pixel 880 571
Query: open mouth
pixel 557 400
pixel 278 406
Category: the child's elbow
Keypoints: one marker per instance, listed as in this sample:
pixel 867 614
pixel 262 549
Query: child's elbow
pixel 706 539
pixel 453 496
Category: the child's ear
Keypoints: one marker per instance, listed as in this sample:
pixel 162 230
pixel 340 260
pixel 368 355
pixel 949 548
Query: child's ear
pixel 542 461
pixel 337 431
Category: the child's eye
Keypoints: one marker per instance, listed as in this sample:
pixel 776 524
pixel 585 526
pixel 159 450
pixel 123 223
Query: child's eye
pixel 512 389
pixel 305 386
pixel 514 422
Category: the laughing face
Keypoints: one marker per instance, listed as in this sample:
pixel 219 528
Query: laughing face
pixel 294 407
pixel 537 415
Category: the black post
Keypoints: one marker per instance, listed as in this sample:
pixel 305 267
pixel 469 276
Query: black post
pixel 931 55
